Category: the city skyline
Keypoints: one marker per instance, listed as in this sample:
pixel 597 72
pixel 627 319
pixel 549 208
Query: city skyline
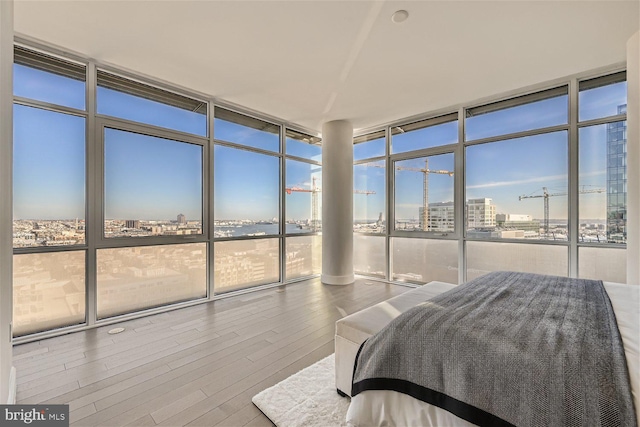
pixel 151 181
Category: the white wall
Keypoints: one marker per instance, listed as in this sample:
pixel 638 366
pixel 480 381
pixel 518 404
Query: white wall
pixel 6 148
pixel 633 160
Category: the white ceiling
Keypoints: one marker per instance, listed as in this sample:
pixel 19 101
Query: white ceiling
pixel 308 62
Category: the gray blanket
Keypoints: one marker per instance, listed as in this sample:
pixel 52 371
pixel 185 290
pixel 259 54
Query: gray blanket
pixel 508 349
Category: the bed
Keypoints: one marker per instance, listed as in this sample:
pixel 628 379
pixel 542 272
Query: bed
pixel 388 407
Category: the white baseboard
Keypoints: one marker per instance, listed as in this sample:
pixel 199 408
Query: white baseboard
pixel 12 387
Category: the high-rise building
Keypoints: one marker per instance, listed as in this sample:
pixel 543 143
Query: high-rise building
pixel 441 217
pixel 182 219
pixel 481 213
pixel 132 223
pixel 617 179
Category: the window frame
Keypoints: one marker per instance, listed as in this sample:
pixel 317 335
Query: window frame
pixel 315 141
pixel 568 84
pixel 62 110
pixel 412 155
pixel 94 175
pixel 95 125
pixel 151 87
pixel 249 117
pixel 284 187
pixel 593 81
pixel 361 137
pixel 99 167
pixel 418 125
pixel 260 151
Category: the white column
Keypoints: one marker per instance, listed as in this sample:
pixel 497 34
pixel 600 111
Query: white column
pixel 633 159
pixel 337 203
pixel 7 374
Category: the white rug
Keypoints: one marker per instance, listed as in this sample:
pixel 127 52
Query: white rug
pixel 308 398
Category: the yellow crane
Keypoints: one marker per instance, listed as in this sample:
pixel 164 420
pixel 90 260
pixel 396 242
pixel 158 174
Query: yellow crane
pixel 545 194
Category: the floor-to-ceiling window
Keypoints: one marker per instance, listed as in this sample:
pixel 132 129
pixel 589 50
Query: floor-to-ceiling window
pixel 517 184
pixel 131 196
pixel 369 204
pixel 423 245
pixel 148 207
pixel 49 186
pixel 303 205
pixel 535 183
pixel 247 170
pixel 602 165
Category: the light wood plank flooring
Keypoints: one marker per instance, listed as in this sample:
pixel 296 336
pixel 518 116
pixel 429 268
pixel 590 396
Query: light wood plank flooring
pixel 197 366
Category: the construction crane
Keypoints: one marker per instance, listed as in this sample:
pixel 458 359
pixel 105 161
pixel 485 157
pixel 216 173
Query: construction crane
pixel 545 194
pixel 425 188
pixel 425 185
pixel 315 190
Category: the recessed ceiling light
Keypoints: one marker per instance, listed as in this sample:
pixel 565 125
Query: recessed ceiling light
pixel 399 16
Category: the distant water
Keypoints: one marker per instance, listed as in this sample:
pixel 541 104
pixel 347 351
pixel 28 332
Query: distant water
pixel 268 229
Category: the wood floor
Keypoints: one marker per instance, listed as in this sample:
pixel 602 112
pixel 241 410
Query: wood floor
pixel 198 366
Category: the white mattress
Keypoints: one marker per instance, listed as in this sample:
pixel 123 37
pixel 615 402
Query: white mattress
pixel 390 408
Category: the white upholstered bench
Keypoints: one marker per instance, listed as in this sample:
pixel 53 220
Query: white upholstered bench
pixel 353 330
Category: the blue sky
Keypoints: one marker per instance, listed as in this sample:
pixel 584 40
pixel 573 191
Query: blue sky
pixel 508 169
pixel 366 150
pixel 433 136
pixel 153 178
pixel 505 170
pixel 49 164
pixel 119 104
pixel 48 87
pixel 548 112
pixel 300 174
pixel 228 131
pixel 369 177
pixel 250 180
